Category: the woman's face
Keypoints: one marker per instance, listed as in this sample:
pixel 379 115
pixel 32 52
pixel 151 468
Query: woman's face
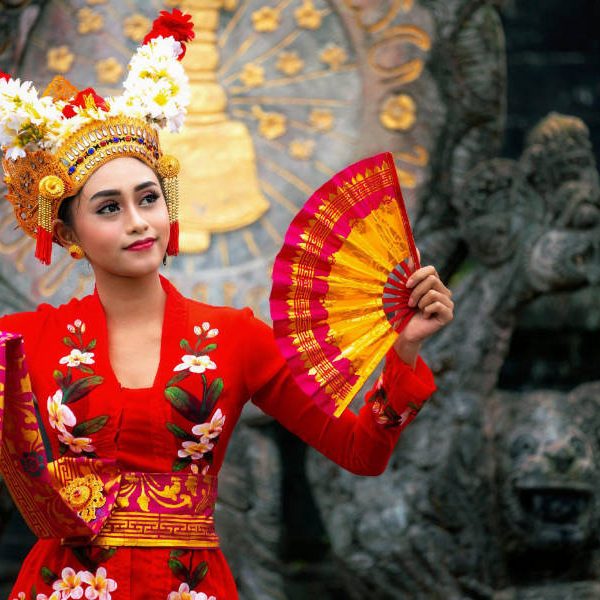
pixel 120 219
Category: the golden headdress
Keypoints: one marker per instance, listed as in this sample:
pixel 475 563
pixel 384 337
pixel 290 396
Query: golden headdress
pixel 53 143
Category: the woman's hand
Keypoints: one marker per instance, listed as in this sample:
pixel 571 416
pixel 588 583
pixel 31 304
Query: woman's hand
pixel 435 310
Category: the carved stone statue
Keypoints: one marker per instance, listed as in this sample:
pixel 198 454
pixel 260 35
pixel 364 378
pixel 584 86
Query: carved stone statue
pixel 419 530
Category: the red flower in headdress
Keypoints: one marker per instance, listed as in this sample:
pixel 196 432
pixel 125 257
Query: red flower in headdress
pixel 85 99
pixel 5 76
pixel 176 25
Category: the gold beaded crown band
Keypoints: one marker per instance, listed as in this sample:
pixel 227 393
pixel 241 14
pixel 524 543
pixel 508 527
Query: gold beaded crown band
pixel 53 143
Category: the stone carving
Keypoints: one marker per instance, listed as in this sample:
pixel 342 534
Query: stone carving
pixel 419 531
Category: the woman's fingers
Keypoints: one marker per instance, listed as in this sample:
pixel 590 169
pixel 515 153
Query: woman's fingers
pixel 432 296
pixel 422 281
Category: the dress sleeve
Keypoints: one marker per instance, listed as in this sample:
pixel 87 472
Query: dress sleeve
pixel 360 443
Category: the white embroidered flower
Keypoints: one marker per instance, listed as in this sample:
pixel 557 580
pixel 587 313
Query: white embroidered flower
pixel 196 364
pixel 59 414
pixel 77 323
pixel 20 596
pixel 197 330
pixel 76 444
pixel 70 584
pixel 70 328
pixel 212 333
pixel 195 449
pixel 52 596
pixel 184 593
pixel 100 585
pixel 212 429
pixel 77 357
pixel 206 325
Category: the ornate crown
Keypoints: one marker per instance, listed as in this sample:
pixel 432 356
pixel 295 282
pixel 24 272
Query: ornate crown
pixel 53 143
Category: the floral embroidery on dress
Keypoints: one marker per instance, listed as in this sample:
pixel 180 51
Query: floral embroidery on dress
pixel 190 576
pixel 73 436
pixel 184 593
pixel 384 413
pixel 197 445
pixel 71 584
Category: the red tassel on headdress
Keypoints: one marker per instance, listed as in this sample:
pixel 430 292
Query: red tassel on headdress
pixel 173 245
pixel 43 246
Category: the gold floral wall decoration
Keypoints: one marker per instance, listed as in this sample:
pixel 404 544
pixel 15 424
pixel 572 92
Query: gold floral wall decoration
pixel 398 112
pixel 89 21
pixel 136 26
pixel 271 125
pixel 252 75
pixel 334 56
pixel 60 59
pixel 301 149
pixel 307 16
pixel 109 70
pixel 266 19
pixel 289 63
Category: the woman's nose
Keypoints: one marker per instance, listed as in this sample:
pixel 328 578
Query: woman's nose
pixel 136 221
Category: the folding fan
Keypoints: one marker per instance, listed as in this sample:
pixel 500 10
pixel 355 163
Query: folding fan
pixel 339 296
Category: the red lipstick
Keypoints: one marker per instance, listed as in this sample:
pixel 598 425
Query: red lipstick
pixel 141 244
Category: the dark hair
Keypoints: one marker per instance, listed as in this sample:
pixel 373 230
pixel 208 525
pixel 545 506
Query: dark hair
pixel 65 211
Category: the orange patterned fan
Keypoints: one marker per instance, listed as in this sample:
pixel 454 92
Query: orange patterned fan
pixel 339 295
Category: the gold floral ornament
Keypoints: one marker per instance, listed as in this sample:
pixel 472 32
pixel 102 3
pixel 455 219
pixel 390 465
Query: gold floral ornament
pixel 265 19
pixel 307 16
pixel 271 125
pixel 167 168
pixel 334 56
pixel 289 63
pixel 89 21
pixel 59 59
pixel 398 113
pixel 136 26
pixel 85 495
pixel 252 75
pixel 321 119
pixel 109 70
pixel 302 149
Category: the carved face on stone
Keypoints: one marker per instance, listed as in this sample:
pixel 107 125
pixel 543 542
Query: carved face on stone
pixel 542 213
pixel 547 473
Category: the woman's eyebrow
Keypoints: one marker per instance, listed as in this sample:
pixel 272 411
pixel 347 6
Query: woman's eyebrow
pixel 111 193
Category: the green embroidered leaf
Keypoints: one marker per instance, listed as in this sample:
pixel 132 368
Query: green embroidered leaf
pixel 33 593
pixel 177 378
pixel 184 344
pixel 106 554
pixel 199 574
pixel 207 349
pixel 67 341
pixel 92 426
pixel 178 569
pixel 213 393
pixel 177 553
pixel 48 576
pixel 58 377
pixel 85 369
pixel 82 554
pixel 185 404
pixel 181 463
pixel 62 448
pixel 80 388
pixel 90 346
pixel 180 433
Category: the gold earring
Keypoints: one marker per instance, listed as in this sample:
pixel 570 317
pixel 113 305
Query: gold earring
pixel 76 252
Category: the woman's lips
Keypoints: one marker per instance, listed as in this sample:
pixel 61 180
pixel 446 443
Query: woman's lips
pixel 142 244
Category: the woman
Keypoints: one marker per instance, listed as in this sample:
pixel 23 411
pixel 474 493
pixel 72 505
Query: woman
pixel 139 388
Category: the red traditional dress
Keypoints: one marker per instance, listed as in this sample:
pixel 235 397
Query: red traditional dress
pixel 126 493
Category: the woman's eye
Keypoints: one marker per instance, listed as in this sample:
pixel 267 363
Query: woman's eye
pixel 109 208
pixel 150 198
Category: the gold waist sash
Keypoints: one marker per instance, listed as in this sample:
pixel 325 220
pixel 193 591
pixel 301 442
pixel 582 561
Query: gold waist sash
pixel 160 510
